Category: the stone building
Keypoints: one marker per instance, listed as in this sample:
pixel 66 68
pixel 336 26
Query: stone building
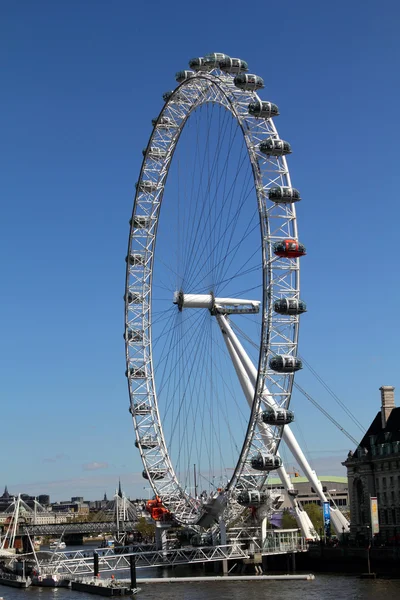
pixel 373 470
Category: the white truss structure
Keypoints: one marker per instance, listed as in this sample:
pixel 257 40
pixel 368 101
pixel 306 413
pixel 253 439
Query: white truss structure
pixel 71 564
pixel 279 333
pixel 19 513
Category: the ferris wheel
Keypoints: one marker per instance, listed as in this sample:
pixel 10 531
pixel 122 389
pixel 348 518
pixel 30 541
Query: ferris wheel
pixel 212 298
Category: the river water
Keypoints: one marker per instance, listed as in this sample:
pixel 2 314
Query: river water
pixel 324 587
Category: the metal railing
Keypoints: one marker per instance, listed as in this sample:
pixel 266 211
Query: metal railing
pixel 75 563
pixel 91 527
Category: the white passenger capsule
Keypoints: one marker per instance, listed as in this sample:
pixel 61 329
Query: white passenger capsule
pixel 146 186
pixel 266 462
pixel 183 75
pixel 263 110
pixel 214 59
pixel 140 221
pixel 133 298
pixel 139 408
pixel 135 373
pixel 136 260
pixel 164 123
pixel 285 363
pixel 154 153
pixel 277 416
pixel 284 195
pixel 245 81
pixel 233 65
pixel 273 147
pixel 154 474
pixel 200 64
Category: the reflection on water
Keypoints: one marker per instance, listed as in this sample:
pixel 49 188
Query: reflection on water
pixel 324 587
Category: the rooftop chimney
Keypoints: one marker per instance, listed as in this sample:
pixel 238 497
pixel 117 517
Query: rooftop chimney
pixel 387 396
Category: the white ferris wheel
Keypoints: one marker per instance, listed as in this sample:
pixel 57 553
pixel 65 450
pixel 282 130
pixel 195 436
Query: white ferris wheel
pixel 212 299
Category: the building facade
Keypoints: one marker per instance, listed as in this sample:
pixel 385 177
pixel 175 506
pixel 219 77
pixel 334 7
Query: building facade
pixel 335 488
pixel 373 471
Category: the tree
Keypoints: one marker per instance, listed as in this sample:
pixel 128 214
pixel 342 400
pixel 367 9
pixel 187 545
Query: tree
pixel 315 513
pixel 146 529
pixel 288 520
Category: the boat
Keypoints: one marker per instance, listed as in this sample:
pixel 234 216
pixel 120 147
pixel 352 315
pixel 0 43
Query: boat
pixel 50 580
pixel 57 545
pixel 107 543
pixel 103 587
pixel 13 580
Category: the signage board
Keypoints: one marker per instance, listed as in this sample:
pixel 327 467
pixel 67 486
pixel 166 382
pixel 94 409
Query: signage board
pixel 374 516
pixel 327 519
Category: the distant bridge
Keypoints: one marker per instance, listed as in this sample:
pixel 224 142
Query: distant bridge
pixel 80 528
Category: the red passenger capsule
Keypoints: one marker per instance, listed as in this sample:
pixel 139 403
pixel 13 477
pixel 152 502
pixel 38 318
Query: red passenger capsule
pixel 289 249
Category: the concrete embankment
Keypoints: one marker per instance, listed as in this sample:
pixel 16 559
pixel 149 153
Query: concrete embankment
pixel 345 559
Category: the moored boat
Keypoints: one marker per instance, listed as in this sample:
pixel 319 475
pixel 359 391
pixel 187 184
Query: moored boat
pixel 13 580
pixel 57 545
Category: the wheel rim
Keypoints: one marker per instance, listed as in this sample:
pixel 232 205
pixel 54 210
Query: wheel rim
pixel 279 278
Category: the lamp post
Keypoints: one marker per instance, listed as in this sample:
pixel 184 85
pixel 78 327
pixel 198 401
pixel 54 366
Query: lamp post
pixel 369 546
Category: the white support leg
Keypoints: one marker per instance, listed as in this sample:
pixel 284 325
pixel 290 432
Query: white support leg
pixel 263 531
pixel 302 518
pixel 339 521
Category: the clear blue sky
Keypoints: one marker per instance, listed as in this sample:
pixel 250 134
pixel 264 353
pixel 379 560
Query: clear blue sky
pixel 80 84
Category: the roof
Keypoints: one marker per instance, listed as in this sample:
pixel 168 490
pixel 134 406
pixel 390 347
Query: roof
pixel 324 478
pixel 392 426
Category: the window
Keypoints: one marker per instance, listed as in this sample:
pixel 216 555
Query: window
pixel 384 482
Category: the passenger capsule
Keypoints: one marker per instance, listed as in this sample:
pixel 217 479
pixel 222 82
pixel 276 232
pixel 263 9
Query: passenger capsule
pixel 214 59
pixel 273 147
pixel 140 221
pixel 268 462
pixel 245 81
pixel 146 186
pixel 167 95
pixel 136 260
pixel 252 498
pixel 289 249
pixel 200 64
pixel 133 298
pixel 183 75
pixel 140 408
pixel 284 195
pixel 154 153
pixel 177 97
pixel 285 363
pixel 233 65
pixel 290 306
pixel 164 123
pixel 136 373
pixel 293 493
pixel 154 474
pixel 277 416
pixel 263 110
pixel 146 442
pixel 133 335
